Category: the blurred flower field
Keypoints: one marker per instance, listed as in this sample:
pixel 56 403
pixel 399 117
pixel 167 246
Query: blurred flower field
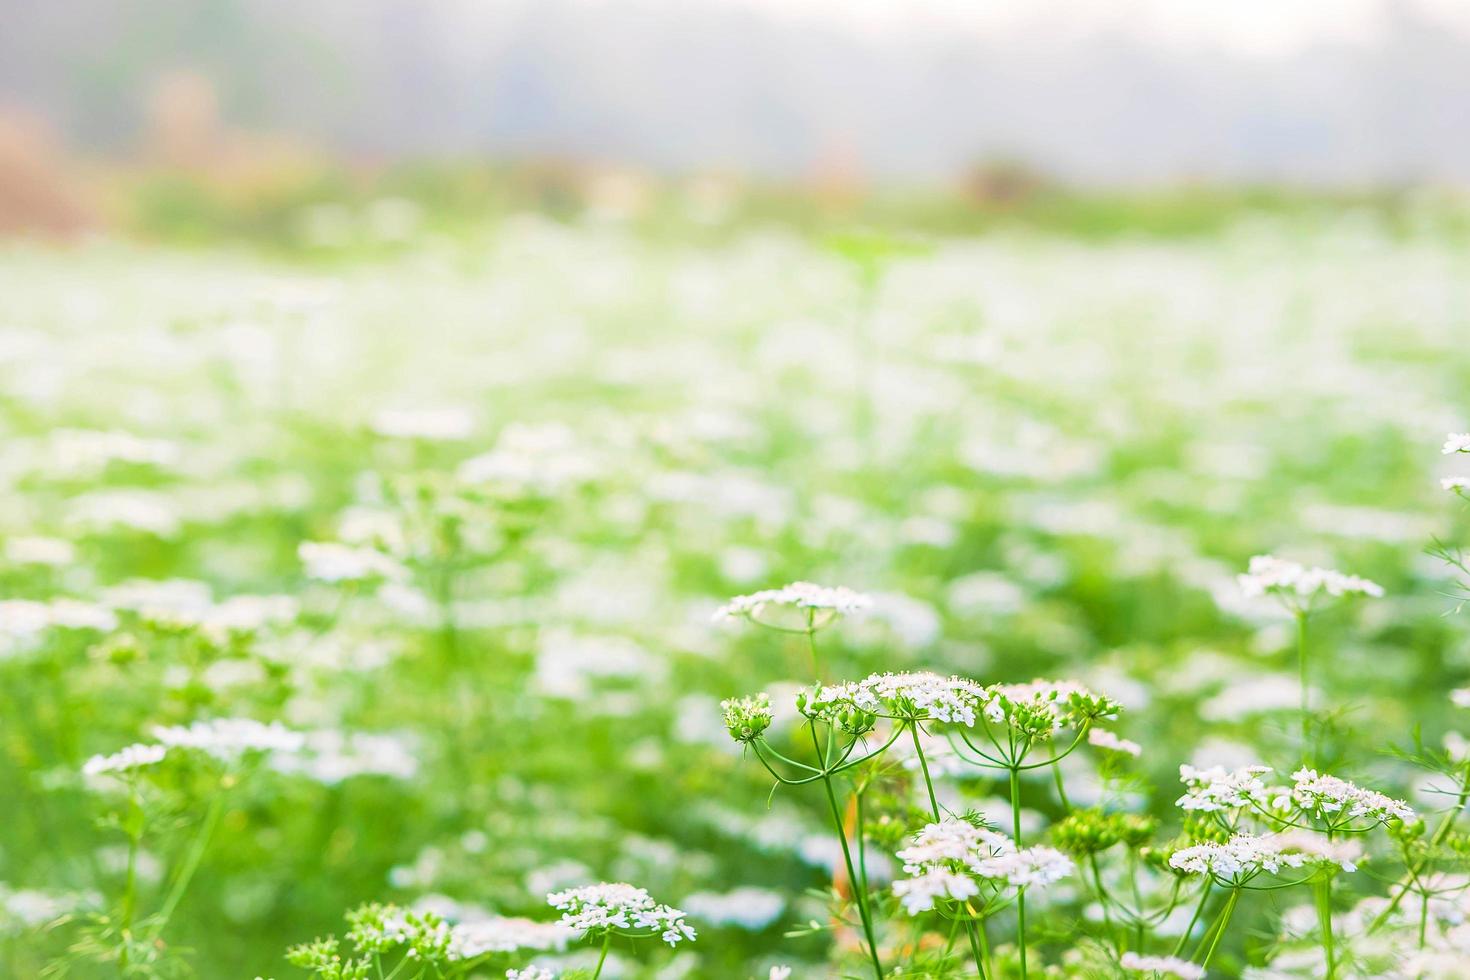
pixel 388 587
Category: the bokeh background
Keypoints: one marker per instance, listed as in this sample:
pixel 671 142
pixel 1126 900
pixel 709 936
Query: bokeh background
pixel 1034 320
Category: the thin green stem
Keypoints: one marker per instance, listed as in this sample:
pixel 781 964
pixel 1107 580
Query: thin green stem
pixel 862 904
pixel 971 927
pixel 1220 926
pixel 602 958
pixel 924 766
pixel 192 857
pixel 1020 892
pixel 1199 910
pixel 1322 892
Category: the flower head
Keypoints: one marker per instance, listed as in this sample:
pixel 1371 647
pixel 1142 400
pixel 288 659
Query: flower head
pixel 747 718
pixel 815 605
pixel 1217 788
pixel 125 760
pixel 1039 708
pixel 916 696
pixel 1293 582
pixel 607 906
pixel 1103 739
pixel 1328 797
pixel 1456 442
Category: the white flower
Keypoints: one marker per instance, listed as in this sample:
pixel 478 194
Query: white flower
pixel 228 738
pixel 1171 966
pixel 1103 739
pixel 1040 707
pixel 125 760
pixel 1455 483
pixel 1322 796
pixel 779 973
pixel 1246 855
pixel 919 892
pixel 606 906
pixel 1039 866
pixel 907 696
pixel 1344 853
pixel 1460 697
pixel 953 841
pixel 1269 575
pixel 428 424
pixel 500 934
pixel 530 973
pixel 1456 442
pixel 333 562
pixel 819 603
pixel 1217 789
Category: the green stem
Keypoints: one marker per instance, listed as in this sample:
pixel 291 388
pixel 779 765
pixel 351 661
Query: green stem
pixel 924 765
pixel 1220 926
pixel 1199 910
pixel 606 943
pixel 811 642
pixel 192 857
pixel 1322 892
pixel 1020 892
pixel 970 928
pixel 862 862
pixel 847 859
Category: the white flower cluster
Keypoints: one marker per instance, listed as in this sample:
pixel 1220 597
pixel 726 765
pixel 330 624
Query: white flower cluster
pixel 1247 855
pixel 1031 866
pixel 505 934
pixel 1164 966
pixel 946 859
pixel 1040 707
pixel 826 601
pixel 1269 575
pixel 24 620
pixel 1322 796
pixel 1456 442
pixel 125 760
pixel 1214 789
pixel 1103 739
pixel 607 906
pixel 329 561
pixel 229 738
pixel 916 695
pixel 530 973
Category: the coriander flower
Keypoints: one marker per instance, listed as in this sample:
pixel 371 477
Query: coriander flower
pixel 1244 856
pixel 229 738
pixel 1293 582
pixel 1041 707
pixel 1039 866
pixel 918 893
pixel 1326 797
pixel 530 973
pixel 1460 697
pixel 953 842
pixel 1455 484
pixel 747 718
pixel 1214 789
pixel 1104 739
pixel 1167 966
pixel 817 605
pixel 1456 442
pixel 916 696
pixel 609 907
pixel 125 760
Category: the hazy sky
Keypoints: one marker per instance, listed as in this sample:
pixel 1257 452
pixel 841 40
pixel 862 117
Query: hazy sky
pixel 1259 27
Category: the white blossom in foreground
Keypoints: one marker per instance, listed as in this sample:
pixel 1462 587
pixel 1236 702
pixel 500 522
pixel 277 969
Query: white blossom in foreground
pixel 1216 788
pixel 1325 797
pixel 1167 966
pixel 918 893
pixel 229 738
pixel 1269 575
pixel 1246 855
pixel 125 760
pixel 607 906
pixel 1033 866
pixel 1456 442
pixel 329 561
pixel 820 603
pixel 1103 739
